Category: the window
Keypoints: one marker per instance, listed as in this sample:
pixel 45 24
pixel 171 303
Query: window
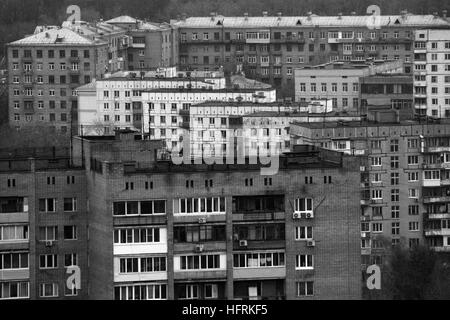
pixel 258 259
pixel 13 261
pixel 137 235
pixel 70 259
pixel 142 264
pixel 413 226
pixel 13 232
pixel 413 160
pixel 49 233
pixel 70 204
pixel 199 205
pixel 377 227
pixel 413 210
pixel 304 261
pixel 413 176
pixel 14 290
pixel 395 178
pixel 395 195
pixel 148 207
pixel 413 143
pixel 395 228
pixel 305 288
pixel 375 161
pixel 48 290
pixel 394 162
pixel 200 262
pixel 48 261
pixel 70 232
pixel 377 194
pixel 413 193
pixel 394 145
pixel 47 205
pixel 303 205
pixel 303 233
pixel 395 212
pixel 375 144
pixel 141 292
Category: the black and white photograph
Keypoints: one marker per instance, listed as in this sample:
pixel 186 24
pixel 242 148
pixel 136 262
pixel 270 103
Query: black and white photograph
pixel 224 158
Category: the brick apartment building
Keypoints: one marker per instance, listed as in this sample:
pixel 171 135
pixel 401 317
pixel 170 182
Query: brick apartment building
pixel 405 190
pixel 44 71
pixel 162 231
pixel 43 224
pixel 269 48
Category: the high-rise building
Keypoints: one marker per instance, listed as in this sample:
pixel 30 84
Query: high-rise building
pixel 432 72
pixel 269 48
pixel 44 71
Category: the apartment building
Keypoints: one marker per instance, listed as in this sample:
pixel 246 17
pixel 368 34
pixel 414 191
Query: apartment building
pixel 43 224
pixel 270 48
pixel 114 35
pixel 340 81
pixel 432 72
pixel 403 184
pixel 388 92
pixel 44 71
pixel 264 127
pixel 165 231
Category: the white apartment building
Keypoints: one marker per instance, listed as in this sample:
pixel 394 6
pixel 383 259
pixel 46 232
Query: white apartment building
pixel 116 101
pixel 262 127
pixel 432 72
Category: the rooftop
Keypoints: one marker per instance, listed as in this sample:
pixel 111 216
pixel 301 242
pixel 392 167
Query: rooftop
pixel 123 19
pixel 245 83
pixel 312 20
pixel 57 36
pixel 365 123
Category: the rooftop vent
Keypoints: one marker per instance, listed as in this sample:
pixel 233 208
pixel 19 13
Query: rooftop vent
pixel 213 15
pixel 265 13
pixel 246 16
pixel 279 15
pixel 444 13
pixel 340 15
pixel 353 13
pixel 309 14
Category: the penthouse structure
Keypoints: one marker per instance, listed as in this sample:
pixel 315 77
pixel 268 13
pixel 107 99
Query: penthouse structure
pixel 404 182
pixel 44 71
pixel 270 48
pixel 43 224
pixel 341 82
pixel 148 45
pixel 264 127
pixel 431 72
pixel 165 231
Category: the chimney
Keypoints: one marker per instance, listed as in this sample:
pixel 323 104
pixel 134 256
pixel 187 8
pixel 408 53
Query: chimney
pixel 213 15
pixel 309 14
pixel 353 13
pixel 264 13
pixel 183 16
pixel 178 17
pixel 435 14
pixel 246 15
pixel 340 15
pixel 279 15
pixel 444 13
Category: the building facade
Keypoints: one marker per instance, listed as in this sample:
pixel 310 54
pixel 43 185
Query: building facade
pixel 43 225
pixel 432 72
pixel 44 71
pixel 269 48
pixel 403 184
pixel 162 231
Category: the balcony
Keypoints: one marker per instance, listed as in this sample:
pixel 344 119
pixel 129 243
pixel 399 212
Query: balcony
pixel 438 216
pixel 259 273
pixel 74 59
pixel 436 199
pixel 438 149
pixel 14 274
pixel 184 125
pixel 437 232
pixel 200 275
pixel 441 248
pixel 431 183
pixel 138 45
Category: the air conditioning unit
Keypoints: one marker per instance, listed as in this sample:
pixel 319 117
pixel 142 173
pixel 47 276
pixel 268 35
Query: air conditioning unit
pixel 310 243
pixel 309 215
pixel 49 243
pixel 296 215
pixel 242 243
pixel 201 220
pixel 199 248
